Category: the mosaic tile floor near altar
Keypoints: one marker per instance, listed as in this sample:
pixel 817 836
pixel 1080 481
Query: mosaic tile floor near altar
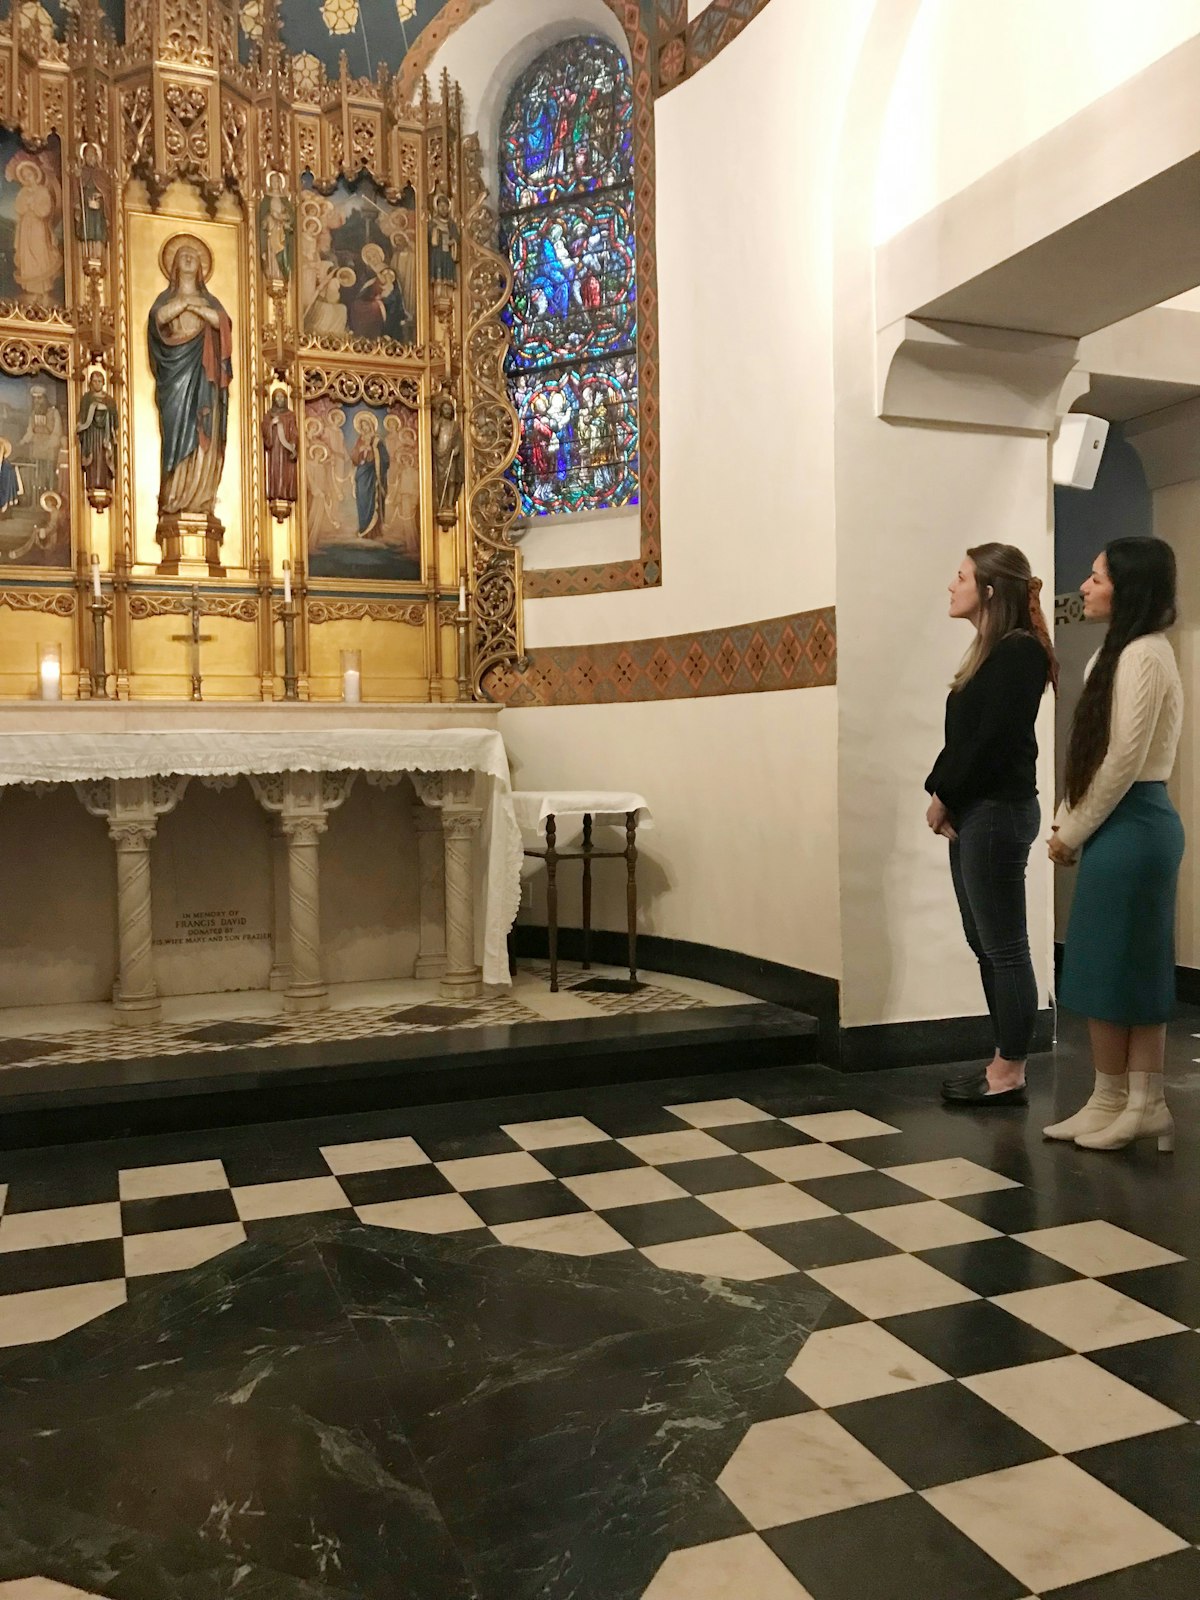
pixel 559 1346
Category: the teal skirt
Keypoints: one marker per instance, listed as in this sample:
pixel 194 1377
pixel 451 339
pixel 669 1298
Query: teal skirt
pixel 1119 961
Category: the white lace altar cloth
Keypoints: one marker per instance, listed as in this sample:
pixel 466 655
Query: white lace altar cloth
pixel 39 756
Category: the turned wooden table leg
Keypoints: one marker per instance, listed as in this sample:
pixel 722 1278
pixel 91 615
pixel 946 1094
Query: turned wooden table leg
pixel 631 889
pixel 552 900
pixel 587 893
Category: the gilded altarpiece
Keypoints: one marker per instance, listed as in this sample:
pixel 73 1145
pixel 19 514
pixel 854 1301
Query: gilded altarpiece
pixel 251 385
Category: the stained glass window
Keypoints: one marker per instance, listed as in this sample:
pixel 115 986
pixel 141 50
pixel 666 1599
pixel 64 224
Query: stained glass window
pixel 566 159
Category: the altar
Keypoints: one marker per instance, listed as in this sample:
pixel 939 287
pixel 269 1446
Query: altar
pixel 243 846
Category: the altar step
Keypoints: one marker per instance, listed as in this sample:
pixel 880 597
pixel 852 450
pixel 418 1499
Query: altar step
pixel 132 1093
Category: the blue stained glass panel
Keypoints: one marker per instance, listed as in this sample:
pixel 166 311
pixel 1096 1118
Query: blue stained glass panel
pixel 579 437
pixel 575 282
pixel 568 126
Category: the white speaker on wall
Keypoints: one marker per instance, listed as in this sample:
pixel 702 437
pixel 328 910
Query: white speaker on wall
pixel 1075 460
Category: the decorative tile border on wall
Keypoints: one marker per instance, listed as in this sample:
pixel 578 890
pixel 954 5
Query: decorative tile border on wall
pixel 1068 609
pixel 796 652
pixel 684 47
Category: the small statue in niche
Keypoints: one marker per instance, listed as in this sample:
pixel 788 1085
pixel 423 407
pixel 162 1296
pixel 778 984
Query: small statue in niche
pixel 448 470
pixel 97 434
pixel 443 241
pixel 91 210
pixel 281 445
pixel 276 231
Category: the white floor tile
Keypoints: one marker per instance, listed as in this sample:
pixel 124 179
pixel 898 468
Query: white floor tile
pixel 35 1230
pixel 581 1235
pixel 946 1180
pixel 800 1162
pixel 1097 1248
pixel 295 1197
pixel 554 1132
pixel 923 1225
pixel 722 1255
pixel 41 1314
pixel 742 1568
pixel 628 1186
pixel 373 1155
pixel 1050 1524
pixel 493 1172
pixel 832 1126
pixel 718 1113
pixel 1087 1315
pixel 1071 1404
pixel 891 1285
pixel 182 1177
pixel 859 1362
pixel 434 1213
pixel 766 1205
pixel 794 1468
pixel 660 1149
pixel 44 1589
pixel 177 1249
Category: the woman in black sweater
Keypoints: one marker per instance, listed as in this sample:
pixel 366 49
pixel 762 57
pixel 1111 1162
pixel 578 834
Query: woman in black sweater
pixel 984 789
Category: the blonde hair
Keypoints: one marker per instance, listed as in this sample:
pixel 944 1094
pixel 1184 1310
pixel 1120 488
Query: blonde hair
pixel 1014 606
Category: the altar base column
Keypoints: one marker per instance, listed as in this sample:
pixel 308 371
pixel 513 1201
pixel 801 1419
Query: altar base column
pixel 461 818
pixel 306 989
pixel 281 967
pixel 431 950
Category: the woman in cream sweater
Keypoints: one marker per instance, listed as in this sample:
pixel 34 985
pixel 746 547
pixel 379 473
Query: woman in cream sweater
pixel 1119 964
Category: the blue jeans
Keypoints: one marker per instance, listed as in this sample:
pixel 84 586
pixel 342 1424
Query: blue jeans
pixel 987 863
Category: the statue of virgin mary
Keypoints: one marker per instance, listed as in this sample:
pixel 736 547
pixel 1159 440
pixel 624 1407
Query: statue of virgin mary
pixel 191 356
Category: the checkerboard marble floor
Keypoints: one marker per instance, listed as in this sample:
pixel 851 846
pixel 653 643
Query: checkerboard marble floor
pixel 1000 1399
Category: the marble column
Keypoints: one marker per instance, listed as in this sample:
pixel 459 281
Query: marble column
pixel 135 996
pixel 462 979
pixel 306 989
pixel 431 875
pixel 281 967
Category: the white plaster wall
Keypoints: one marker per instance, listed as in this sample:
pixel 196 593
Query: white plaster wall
pixel 745 811
pixel 979 81
pixel 58 928
pixel 1177 520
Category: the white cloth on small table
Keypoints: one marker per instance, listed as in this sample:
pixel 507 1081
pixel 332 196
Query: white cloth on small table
pixel 568 807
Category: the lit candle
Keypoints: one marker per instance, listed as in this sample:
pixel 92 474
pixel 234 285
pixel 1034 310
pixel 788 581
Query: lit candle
pixel 96 576
pixel 50 673
pixel 352 686
pixel 462 597
pixel 287 583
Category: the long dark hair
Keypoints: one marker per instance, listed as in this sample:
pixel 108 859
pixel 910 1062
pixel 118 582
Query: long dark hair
pixel 1014 607
pixel 1143 580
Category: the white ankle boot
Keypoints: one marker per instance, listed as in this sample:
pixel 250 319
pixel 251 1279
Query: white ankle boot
pixel 1145 1117
pixel 1107 1102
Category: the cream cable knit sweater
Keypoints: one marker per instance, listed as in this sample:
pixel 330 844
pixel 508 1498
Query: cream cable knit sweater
pixel 1147 715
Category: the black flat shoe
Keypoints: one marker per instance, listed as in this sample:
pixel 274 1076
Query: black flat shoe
pixel 972 1090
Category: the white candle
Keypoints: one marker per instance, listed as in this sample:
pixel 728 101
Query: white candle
pixel 96 576
pixel 287 583
pixel 351 686
pixel 50 677
pixel 462 597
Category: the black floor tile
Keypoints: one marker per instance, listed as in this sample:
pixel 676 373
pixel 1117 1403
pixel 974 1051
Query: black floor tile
pixel 971 1338
pixel 574 1160
pixel 267 1162
pixel 893 1550
pixel 61 1264
pixel 1166 1368
pixel 1174 1290
pixel 997 1266
pixel 838 1314
pixel 860 1191
pixel 1174 1577
pixel 393 1183
pixel 666 1221
pixel 743 1136
pixel 1157 1472
pixel 939 1433
pixel 520 1202
pixel 68 1184
pixel 825 1242
pixel 629 1121
pixel 450 1146
pixel 715 1174
pixel 177 1211
pixel 232 1032
pixel 1021 1210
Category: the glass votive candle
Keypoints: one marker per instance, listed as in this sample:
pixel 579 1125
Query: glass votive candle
pixel 352 677
pixel 50 671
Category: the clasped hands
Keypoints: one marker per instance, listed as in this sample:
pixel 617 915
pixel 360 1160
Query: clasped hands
pixel 938 819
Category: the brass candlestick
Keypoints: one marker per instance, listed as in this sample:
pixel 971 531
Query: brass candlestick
pixel 287 614
pixel 100 608
pixel 462 624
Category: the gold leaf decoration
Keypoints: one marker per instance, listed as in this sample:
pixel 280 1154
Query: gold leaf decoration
pixel 406 10
pixel 341 16
pixel 252 18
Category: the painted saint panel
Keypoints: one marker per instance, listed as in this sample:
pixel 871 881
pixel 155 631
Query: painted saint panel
pixel 579 438
pixel 362 478
pixel 358 263
pixel 35 474
pixel 568 126
pixel 31 223
pixel 575 278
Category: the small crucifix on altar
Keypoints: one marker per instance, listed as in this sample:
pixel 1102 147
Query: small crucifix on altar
pixel 195 639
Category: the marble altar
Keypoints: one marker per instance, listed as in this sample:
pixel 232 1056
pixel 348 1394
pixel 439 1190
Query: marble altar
pixel 226 892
